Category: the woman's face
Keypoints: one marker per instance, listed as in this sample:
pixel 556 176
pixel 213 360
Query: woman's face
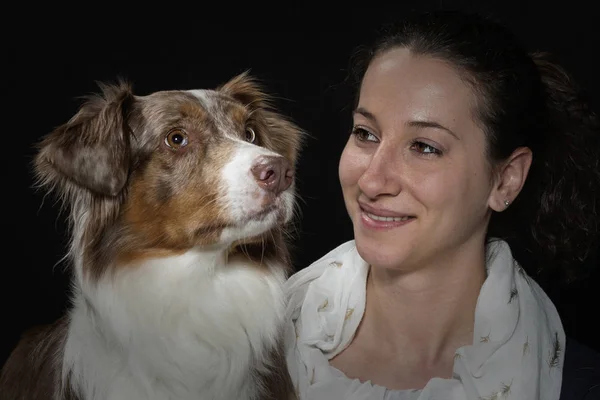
pixel 414 173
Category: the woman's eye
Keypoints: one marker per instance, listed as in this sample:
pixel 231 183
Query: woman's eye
pixel 364 135
pixel 424 148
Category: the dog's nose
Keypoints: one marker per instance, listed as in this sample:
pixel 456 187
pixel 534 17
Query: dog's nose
pixel 273 173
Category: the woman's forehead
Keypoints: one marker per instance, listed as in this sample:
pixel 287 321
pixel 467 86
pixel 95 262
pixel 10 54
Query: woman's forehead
pixel 407 86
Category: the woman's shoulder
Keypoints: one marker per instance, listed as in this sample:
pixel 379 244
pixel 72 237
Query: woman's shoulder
pixel 297 283
pixel 314 270
pixel 581 372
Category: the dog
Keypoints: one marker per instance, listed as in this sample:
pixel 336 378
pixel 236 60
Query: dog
pixel 180 204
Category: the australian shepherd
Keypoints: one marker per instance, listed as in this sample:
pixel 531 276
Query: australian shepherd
pixel 179 205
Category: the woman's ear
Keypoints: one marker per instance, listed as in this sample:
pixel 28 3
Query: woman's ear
pixel 510 179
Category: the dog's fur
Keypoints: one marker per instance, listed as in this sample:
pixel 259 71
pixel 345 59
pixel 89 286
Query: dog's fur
pixel 178 203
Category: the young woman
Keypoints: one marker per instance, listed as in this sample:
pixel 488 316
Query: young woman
pixel 462 142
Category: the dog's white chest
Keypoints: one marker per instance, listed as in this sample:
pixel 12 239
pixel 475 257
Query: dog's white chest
pixel 176 329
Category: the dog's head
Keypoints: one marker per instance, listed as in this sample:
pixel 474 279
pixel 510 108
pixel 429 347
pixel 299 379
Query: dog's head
pixel 173 170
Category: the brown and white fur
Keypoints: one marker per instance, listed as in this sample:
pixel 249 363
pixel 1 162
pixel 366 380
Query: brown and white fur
pixel 178 203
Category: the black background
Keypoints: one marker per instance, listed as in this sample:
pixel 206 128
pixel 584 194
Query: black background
pixel 51 56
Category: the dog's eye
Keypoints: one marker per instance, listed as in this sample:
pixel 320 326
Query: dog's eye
pixel 176 138
pixel 250 135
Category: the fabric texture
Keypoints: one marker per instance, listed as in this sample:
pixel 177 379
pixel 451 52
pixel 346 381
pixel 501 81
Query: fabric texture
pixel 518 340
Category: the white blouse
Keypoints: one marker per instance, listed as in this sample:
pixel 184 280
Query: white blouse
pixel 517 348
pixel 338 383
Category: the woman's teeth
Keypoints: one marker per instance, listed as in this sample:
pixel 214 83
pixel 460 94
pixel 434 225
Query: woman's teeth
pixel 386 219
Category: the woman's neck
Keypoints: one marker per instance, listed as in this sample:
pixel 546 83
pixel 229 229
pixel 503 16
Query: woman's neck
pixel 425 314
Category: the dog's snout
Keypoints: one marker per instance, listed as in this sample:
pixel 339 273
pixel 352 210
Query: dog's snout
pixel 273 173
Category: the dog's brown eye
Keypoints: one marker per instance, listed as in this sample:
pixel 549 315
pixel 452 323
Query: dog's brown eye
pixel 176 138
pixel 250 135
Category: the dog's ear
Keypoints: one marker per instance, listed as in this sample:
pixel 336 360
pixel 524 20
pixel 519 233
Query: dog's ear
pixel 286 137
pixel 246 89
pixel 92 149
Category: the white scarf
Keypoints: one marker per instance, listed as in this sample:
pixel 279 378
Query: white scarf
pixel 518 338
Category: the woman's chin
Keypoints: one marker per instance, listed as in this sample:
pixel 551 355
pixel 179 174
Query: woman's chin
pixel 379 254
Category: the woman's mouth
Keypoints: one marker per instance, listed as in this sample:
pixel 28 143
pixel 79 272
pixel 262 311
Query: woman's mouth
pixel 386 219
pixel 372 220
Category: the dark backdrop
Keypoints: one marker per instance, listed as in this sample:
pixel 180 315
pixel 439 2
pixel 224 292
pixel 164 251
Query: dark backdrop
pixel 51 56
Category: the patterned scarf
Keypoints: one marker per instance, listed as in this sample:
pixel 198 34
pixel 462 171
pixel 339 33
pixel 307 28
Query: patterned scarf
pixel 518 340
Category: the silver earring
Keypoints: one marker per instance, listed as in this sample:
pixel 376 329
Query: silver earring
pixel 506 203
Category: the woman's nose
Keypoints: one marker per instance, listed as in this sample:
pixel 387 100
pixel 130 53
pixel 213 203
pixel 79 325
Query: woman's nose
pixel 382 175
